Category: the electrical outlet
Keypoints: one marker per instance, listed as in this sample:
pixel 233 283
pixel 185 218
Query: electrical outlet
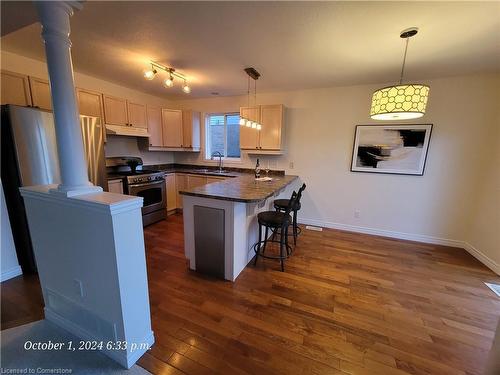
pixel 357 214
pixel 78 287
pixel 291 165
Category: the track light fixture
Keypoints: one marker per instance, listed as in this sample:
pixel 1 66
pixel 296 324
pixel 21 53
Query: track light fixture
pixel 168 82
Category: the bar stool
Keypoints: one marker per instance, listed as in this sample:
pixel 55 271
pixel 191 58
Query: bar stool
pixel 281 206
pixel 275 220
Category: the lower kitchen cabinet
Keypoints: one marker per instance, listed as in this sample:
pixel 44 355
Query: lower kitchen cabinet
pixel 171 192
pixel 181 183
pixel 196 180
pixel 115 186
pixel 211 179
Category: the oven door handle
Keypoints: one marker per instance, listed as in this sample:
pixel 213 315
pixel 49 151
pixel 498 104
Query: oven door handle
pixel 149 183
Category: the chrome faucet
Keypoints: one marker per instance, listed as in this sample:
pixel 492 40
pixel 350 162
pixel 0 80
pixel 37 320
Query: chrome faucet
pixel 218 154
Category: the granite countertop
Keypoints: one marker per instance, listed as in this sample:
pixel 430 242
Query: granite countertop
pixel 243 188
pixel 239 186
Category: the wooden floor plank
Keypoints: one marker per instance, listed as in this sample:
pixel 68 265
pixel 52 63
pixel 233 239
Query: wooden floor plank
pixel 347 304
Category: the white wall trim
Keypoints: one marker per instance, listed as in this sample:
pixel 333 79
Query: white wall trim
pixel 10 273
pixel 488 262
pixel 384 233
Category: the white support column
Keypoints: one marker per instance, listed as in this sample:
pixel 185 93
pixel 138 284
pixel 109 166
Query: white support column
pixel 55 17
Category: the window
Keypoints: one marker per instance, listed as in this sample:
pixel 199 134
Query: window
pixel 223 135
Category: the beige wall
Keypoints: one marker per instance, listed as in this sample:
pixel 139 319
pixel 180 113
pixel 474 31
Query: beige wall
pixel 116 146
pixel 483 234
pixel 436 207
pixel 456 200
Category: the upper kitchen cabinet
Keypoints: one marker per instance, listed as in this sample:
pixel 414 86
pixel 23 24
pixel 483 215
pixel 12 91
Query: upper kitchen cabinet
pixel 137 115
pixel 268 140
pixel 15 89
pixel 89 103
pixel 115 111
pixel 249 137
pixel 191 129
pixel 172 128
pixel 154 126
pixel 125 118
pixel 40 93
pixel 271 119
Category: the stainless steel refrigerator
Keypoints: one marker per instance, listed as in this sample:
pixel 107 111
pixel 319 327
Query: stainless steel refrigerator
pixel 29 157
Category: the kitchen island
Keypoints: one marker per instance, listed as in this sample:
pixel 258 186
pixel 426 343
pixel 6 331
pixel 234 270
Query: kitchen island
pixel 220 221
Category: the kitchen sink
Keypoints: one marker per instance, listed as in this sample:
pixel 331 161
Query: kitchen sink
pixel 211 171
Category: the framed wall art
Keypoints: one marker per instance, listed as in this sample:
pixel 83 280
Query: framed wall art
pixel 395 149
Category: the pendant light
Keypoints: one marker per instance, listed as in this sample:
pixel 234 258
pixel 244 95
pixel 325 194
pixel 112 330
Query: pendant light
pixel 401 101
pixel 254 74
pixel 255 125
pixel 243 121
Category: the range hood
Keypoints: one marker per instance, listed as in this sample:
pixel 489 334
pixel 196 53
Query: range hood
pixel 126 130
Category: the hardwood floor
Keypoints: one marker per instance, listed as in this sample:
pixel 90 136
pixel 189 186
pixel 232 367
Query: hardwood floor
pixel 347 304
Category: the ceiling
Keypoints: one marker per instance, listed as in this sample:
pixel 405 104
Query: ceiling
pixel 294 45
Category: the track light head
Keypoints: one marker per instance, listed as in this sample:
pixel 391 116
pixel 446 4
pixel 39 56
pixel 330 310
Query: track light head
pixel 169 82
pixel 149 74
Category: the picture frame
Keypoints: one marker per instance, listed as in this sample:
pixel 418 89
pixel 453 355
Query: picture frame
pixel 391 149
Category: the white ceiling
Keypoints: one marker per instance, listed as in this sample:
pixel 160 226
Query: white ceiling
pixel 294 45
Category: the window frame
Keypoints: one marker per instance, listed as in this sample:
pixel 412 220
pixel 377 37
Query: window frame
pixel 208 151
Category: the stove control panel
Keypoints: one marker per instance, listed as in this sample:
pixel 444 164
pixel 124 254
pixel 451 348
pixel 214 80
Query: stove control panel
pixel 145 179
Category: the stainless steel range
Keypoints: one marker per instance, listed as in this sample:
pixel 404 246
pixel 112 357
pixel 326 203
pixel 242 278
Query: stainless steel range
pixel 148 184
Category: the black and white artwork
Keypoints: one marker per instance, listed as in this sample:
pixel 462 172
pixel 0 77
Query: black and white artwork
pixel 397 149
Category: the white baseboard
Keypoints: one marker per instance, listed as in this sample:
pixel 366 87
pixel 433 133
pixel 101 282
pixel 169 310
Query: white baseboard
pixel 125 358
pixel 384 233
pixel 488 262
pixel 10 273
